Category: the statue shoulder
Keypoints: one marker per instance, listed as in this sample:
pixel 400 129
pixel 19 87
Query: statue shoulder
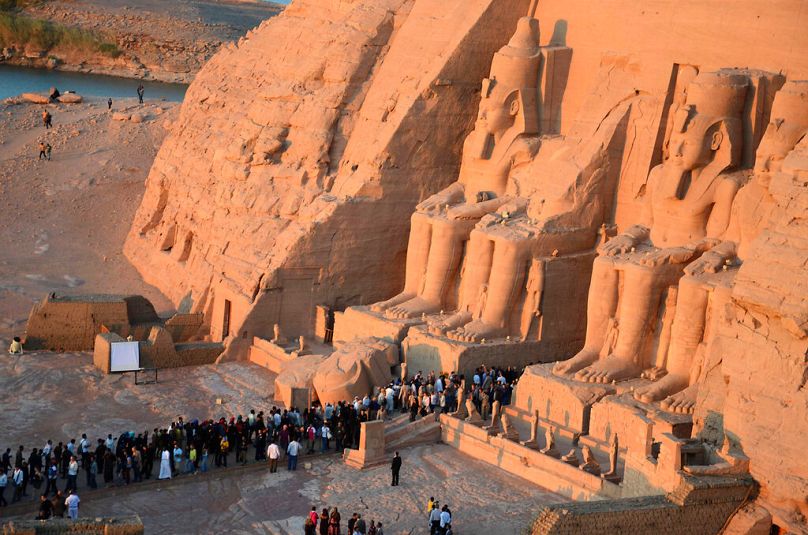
pixel 523 149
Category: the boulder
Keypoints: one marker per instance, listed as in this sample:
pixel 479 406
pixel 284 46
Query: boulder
pixel 70 98
pixel 35 98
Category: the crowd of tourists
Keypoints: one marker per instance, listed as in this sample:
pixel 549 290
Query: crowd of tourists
pixel 190 447
pixel 434 394
pixel 330 523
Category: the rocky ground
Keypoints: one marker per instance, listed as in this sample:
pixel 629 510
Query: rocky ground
pixel 63 222
pixel 160 40
pixel 483 499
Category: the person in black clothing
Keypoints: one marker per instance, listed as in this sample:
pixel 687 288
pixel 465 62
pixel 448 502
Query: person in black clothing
pixel 45 508
pixel 395 467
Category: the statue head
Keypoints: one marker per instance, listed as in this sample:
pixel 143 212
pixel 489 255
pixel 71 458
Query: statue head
pixel 708 128
pixel 788 124
pixel 508 96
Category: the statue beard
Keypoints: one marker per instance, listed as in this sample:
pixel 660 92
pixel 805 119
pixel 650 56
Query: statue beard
pixel 481 144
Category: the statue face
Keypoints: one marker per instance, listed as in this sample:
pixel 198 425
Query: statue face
pixel 690 145
pixel 779 139
pixel 498 108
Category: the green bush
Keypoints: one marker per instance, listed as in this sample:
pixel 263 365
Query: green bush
pixel 21 30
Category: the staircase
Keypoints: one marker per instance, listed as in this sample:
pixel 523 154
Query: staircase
pixel 400 432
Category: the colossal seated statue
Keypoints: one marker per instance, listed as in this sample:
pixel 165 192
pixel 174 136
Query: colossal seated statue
pixel 560 216
pixel 751 208
pixel 687 208
pixel 504 137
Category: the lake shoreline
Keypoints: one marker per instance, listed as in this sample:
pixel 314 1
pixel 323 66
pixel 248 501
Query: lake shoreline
pixel 140 40
pixel 14 81
pixel 97 68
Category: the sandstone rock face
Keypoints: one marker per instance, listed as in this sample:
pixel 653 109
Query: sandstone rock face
pixel 757 394
pixel 282 172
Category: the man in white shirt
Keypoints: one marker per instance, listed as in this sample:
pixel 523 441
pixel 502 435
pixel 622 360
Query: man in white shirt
pixel 445 519
pixel 434 519
pixel 72 474
pixel 72 504
pixel 292 449
pixel 16 479
pixel 273 453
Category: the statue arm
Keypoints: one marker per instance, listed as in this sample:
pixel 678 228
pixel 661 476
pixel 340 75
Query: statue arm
pixel 476 210
pixel 720 215
pixel 450 195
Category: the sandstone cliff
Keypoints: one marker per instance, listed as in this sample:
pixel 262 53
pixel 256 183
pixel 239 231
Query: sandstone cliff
pixel 304 149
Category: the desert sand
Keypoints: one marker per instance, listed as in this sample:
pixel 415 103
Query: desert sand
pixel 64 221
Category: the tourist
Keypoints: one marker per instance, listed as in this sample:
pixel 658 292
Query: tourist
pixel 352 523
pixel 140 91
pixel 72 474
pixel 445 519
pixel 309 527
pixel 48 150
pixel 47 119
pixel 274 453
pixel 109 103
pixel 92 471
pixel 42 151
pixel 165 465
pixel 379 529
pixel 372 528
pixel 292 449
pixel 203 463
pixel 324 522
pixel 58 502
pixel 45 508
pixel 395 467
pixel 325 434
pixel 434 519
pixel 72 504
pixel 16 346
pixel 333 522
pixel 360 525
pixel 53 474
pixel 3 485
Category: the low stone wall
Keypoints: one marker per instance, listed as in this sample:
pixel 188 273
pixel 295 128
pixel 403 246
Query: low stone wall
pixel 527 463
pixel 698 505
pixel 120 525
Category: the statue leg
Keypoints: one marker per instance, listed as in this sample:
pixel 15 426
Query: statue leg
pixel 505 287
pixel 417 255
pixel 642 290
pixel 687 333
pixel 475 273
pixel 445 253
pixel 601 305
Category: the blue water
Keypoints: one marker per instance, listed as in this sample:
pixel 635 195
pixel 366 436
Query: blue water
pixel 16 80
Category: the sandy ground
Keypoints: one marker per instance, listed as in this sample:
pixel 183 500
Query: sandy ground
pixel 63 222
pixel 483 499
pixel 59 396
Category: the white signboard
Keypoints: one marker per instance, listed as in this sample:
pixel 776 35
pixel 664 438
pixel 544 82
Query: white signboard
pixel 124 357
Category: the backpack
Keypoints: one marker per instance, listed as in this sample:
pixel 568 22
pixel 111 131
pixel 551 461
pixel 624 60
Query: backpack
pixel 225 444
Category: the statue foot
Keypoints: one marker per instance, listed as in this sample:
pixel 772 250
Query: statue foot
pixel 412 308
pixel 584 358
pixel 668 385
pixel 606 370
pixel 454 321
pixel 682 402
pixel 381 306
pixel 478 330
